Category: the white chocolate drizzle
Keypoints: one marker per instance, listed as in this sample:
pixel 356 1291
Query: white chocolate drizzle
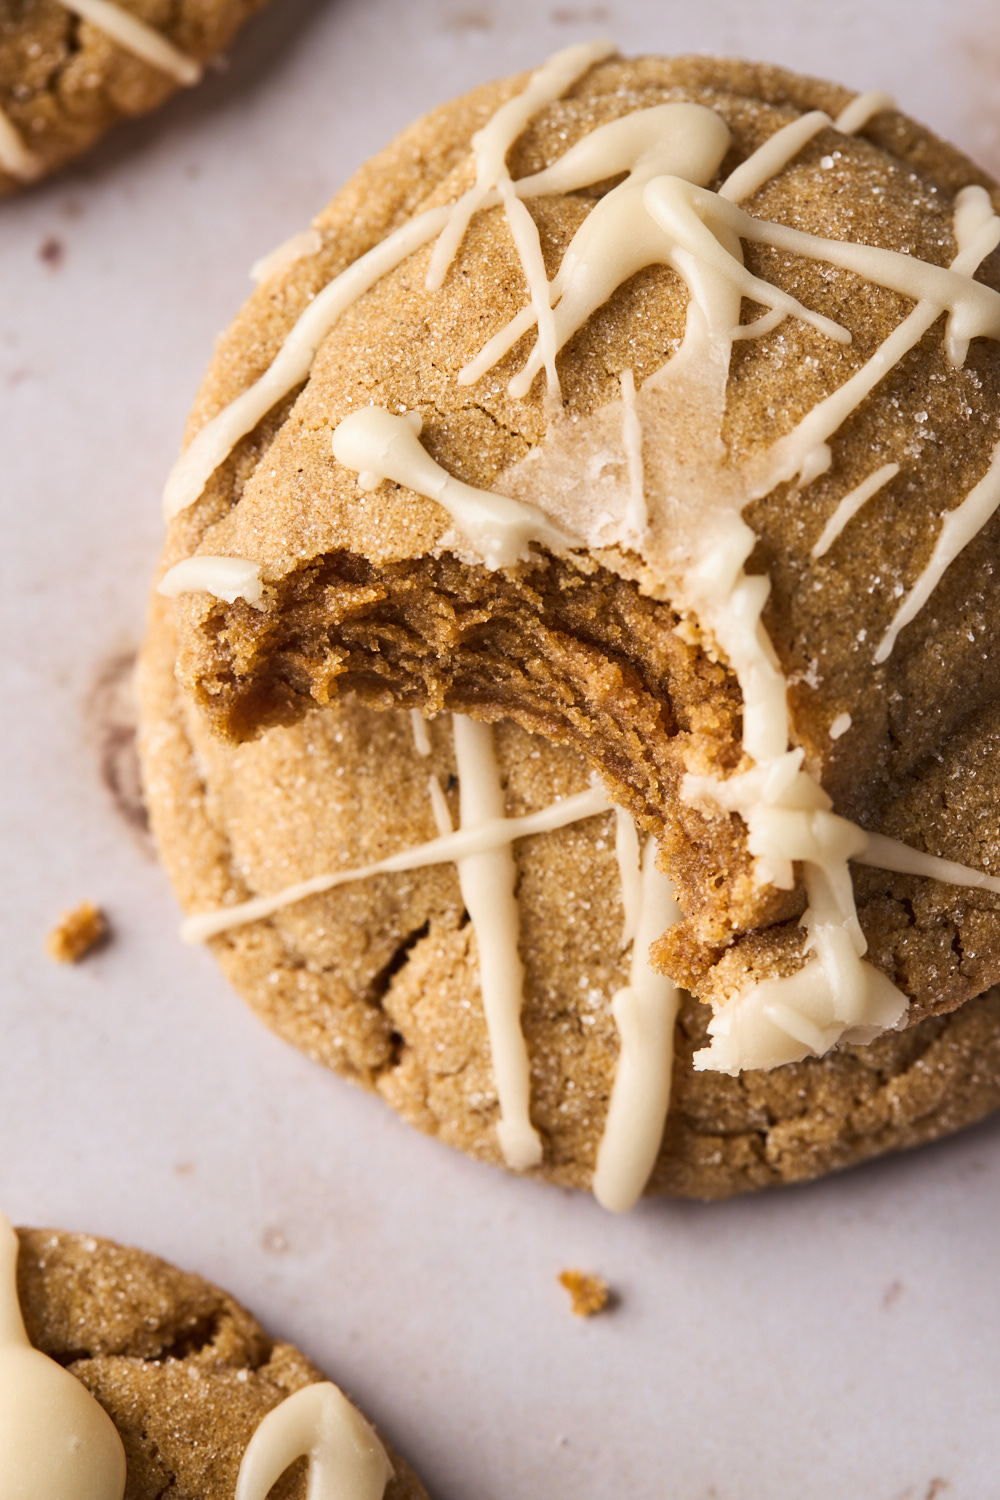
pixel 848 507
pixel 228 578
pixel 439 807
pixel 863 108
pixel 56 1442
pixel 836 995
pixel 958 528
pixel 346 1459
pixel 421 739
pixel 379 445
pixel 491 145
pixel 482 851
pixel 138 38
pixel 637 515
pixel 692 536
pixel 778 150
pixel 133 36
pixel 216 440
pixel 488 883
pixel 889 854
pixel 444 850
pixel 645 1011
pixel 15 157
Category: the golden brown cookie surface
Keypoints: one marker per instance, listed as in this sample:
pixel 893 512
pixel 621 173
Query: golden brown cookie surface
pixel 184 1372
pixel 379 979
pixel 65 79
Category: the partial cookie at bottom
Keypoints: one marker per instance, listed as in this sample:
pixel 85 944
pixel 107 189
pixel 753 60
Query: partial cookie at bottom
pixel 184 1372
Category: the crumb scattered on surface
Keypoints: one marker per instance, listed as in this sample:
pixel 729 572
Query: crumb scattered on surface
pixel 52 252
pixel 589 1293
pixel 78 931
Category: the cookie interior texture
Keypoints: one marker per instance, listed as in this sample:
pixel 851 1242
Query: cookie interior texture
pixel 64 82
pixel 184 1372
pixel 356 599
pixel 379 979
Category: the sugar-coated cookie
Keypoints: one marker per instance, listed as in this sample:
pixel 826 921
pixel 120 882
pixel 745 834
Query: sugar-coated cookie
pixel 654 405
pixel 71 69
pixel 184 1382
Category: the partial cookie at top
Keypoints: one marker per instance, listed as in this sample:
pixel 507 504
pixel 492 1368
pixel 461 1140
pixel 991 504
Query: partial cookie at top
pixel 68 74
pixel 641 650
pixel 379 979
pixel 183 1371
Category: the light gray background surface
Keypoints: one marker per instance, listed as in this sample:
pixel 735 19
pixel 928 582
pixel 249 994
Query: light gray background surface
pixel 827 1342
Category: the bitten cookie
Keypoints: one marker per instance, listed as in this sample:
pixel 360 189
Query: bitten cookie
pixel 502 1008
pixel 654 405
pixel 192 1386
pixel 71 69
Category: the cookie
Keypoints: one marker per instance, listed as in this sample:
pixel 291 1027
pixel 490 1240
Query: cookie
pixel 654 405
pixel 381 978
pixel 185 1388
pixel 71 69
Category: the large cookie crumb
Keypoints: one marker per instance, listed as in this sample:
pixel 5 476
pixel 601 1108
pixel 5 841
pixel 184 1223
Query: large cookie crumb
pixel 78 933
pixel 589 1294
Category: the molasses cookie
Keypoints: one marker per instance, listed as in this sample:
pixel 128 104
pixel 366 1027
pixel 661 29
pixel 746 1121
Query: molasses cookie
pixel 653 405
pixel 450 913
pixel 70 69
pixel 187 1394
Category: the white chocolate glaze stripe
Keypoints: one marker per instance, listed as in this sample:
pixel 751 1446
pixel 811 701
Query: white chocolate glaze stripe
pixel 889 854
pixel 616 239
pixel 958 528
pixel 778 150
pixel 216 440
pixel 346 1459
pixel 421 739
pixel 645 1011
pixel 850 504
pixel 377 443
pixel 226 578
pixel 488 882
pixel 439 807
pixel 856 115
pixel 15 158
pixel 773 156
pixel 138 38
pixel 803 451
pixel 439 851
pixel 637 514
pixel 492 143
pixel 56 1442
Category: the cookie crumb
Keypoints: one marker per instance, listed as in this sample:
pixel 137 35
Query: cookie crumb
pixel 589 1293
pixel 77 933
pixel 52 252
